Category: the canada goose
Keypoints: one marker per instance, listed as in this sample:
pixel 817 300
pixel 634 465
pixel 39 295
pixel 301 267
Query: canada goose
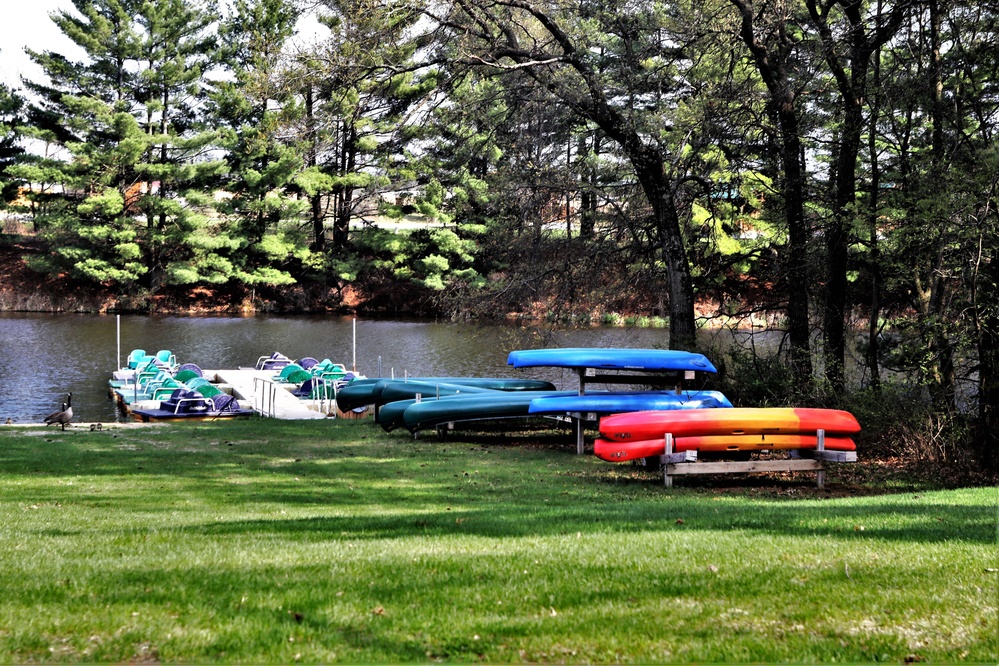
pixel 63 416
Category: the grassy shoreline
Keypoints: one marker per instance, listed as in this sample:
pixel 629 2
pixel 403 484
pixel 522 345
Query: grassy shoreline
pixel 269 541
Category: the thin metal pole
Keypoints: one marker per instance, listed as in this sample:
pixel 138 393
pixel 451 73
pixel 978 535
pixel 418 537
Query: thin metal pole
pixel 118 323
pixel 354 361
pixel 580 443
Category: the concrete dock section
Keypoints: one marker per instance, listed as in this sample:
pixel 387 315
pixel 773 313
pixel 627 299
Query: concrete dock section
pixel 267 397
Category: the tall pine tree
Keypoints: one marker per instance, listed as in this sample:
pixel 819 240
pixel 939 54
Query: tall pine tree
pixel 254 108
pixel 83 111
pixel 11 106
pixel 185 245
pixel 130 164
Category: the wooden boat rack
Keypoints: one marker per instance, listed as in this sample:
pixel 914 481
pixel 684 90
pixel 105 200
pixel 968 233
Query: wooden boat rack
pixel 801 460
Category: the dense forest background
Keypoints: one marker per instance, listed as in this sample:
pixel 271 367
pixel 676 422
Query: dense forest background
pixel 827 166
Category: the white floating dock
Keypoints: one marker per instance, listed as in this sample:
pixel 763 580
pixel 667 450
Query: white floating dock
pixel 258 388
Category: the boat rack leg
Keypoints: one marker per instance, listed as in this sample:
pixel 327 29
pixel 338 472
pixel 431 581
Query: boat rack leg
pixel 820 445
pixel 666 459
pixel 579 421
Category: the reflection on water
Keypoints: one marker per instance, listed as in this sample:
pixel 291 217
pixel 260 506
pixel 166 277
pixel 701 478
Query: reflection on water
pixel 42 356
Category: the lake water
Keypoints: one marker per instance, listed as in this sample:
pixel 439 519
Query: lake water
pixel 42 357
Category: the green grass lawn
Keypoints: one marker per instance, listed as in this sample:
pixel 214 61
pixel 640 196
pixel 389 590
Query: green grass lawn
pixel 269 541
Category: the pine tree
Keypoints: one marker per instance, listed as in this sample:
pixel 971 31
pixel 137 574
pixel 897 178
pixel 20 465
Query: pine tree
pixel 185 244
pixel 129 166
pixel 84 114
pixel 11 106
pixel 358 93
pixel 255 108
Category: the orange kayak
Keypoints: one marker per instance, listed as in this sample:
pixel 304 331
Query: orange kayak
pixel 638 426
pixel 615 451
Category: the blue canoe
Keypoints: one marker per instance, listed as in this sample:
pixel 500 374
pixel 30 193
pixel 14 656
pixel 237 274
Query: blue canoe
pixel 611 359
pixel 621 402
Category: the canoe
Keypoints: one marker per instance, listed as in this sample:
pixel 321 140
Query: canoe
pixel 409 390
pixel 615 451
pixel 390 415
pixel 619 402
pixel 477 407
pixel 611 358
pixel 356 394
pixel 638 426
pixel 360 393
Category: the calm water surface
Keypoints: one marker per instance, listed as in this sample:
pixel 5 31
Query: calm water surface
pixel 42 357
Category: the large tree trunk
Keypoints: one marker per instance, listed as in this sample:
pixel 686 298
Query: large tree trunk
pixel 344 207
pixel 317 211
pixel 874 263
pixel 874 330
pixel 651 173
pixel 796 265
pixel 848 58
pixel 942 369
pixel 834 319
pixel 988 385
pixel 682 331
pixel 771 61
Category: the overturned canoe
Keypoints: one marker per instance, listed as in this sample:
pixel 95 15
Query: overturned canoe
pixel 478 407
pixel 611 358
pixel 360 393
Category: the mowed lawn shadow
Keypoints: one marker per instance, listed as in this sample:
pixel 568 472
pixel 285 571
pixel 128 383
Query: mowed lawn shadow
pixel 376 487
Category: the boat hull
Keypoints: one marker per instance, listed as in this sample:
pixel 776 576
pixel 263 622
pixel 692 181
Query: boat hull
pixel 368 392
pixel 409 390
pixel 611 359
pixel 164 416
pixel 456 409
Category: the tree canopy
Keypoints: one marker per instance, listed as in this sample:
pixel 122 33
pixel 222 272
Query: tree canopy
pixel 830 161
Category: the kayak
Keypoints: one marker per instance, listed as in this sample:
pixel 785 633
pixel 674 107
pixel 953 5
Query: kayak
pixel 637 426
pixel 615 451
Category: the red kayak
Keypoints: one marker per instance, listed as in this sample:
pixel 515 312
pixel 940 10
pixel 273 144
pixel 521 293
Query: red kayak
pixel 615 451
pixel 638 426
